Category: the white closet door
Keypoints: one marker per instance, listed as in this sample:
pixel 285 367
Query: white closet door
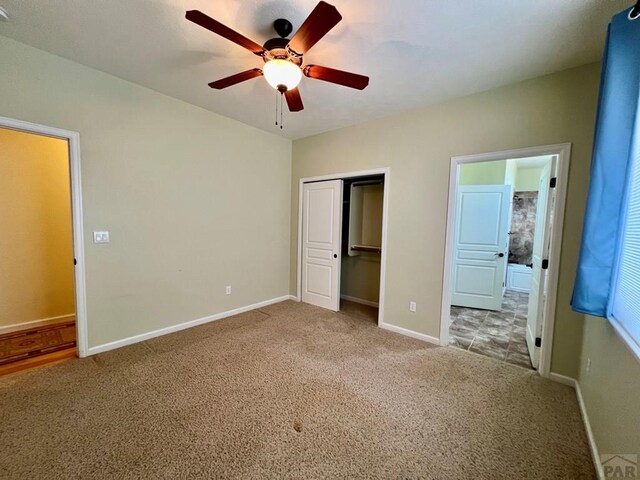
pixel 321 243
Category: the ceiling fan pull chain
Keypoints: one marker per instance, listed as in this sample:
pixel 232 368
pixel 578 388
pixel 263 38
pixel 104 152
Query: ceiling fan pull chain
pixel 276 109
pixel 281 95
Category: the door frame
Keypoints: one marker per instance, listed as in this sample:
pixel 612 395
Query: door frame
pixel 73 139
pixel 385 210
pixel 563 151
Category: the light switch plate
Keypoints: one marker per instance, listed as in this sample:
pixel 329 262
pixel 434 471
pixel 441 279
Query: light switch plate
pixel 100 237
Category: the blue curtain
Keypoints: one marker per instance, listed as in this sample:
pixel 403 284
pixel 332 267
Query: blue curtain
pixel 618 104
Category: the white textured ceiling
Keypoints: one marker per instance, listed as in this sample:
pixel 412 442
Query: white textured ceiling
pixel 417 52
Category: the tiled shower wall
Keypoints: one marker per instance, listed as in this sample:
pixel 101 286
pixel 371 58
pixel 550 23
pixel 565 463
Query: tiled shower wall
pixel 523 222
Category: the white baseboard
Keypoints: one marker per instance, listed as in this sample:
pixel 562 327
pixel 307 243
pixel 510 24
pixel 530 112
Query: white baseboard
pixel 585 419
pixel 181 326
pixel 361 301
pixel 410 333
pixel 563 379
pixel 592 441
pixel 34 323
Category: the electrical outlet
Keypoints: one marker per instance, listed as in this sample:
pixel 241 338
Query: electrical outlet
pixel 228 290
pixel 100 237
pixel 588 365
pixel 412 306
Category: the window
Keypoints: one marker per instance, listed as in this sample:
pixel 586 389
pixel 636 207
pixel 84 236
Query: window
pixel 624 308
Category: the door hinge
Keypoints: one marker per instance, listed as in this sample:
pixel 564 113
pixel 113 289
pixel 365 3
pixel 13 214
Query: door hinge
pixel 538 341
pixel 552 182
pixel 545 264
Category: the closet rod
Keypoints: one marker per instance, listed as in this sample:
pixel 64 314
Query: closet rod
pixel 367 184
pixel 366 248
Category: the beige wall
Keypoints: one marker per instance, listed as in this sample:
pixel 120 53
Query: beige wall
pixel 36 249
pixel 418 145
pixel 610 389
pixel 360 277
pixel 194 201
pixel 483 173
pixel 528 179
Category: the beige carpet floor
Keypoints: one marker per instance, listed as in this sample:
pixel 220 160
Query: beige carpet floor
pixel 289 391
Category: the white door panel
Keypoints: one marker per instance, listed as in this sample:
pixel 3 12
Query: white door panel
pixel 319 280
pixel 541 237
pixel 475 280
pixel 320 208
pixel 480 258
pixel 321 220
pixel 519 281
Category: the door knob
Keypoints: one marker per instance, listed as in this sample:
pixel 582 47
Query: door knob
pixel 335 255
pixel 500 254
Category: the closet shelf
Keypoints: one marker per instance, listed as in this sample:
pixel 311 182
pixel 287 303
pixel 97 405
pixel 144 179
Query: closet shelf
pixel 366 248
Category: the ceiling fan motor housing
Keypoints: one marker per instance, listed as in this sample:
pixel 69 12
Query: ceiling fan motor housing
pixel 283 27
pixel 276 48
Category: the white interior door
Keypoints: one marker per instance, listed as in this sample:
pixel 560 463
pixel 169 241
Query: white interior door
pixel 481 240
pixel 537 291
pixel 321 243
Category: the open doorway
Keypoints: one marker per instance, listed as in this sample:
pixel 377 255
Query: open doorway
pixel 37 285
pixel 502 250
pixel 341 242
pixel 363 199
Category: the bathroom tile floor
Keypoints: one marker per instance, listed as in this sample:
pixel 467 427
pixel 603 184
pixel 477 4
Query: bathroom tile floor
pixel 501 335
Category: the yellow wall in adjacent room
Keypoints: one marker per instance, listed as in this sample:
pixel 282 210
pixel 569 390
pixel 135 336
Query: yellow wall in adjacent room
pixel 36 249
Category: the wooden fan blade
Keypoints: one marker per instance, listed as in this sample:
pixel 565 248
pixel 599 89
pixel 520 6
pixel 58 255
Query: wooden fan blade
pixel 322 19
pixel 294 100
pixel 196 16
pixel 332 75
pixel 237 78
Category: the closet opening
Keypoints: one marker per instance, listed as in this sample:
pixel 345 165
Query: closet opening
pixel 363 199
pixel 341 242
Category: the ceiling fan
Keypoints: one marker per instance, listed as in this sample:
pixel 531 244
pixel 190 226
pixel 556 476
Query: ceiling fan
pixel 283 68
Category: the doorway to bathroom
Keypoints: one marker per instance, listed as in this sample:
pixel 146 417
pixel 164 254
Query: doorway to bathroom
pixel 501 275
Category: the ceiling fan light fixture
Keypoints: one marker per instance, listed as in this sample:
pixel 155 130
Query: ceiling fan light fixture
pixel 282 75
